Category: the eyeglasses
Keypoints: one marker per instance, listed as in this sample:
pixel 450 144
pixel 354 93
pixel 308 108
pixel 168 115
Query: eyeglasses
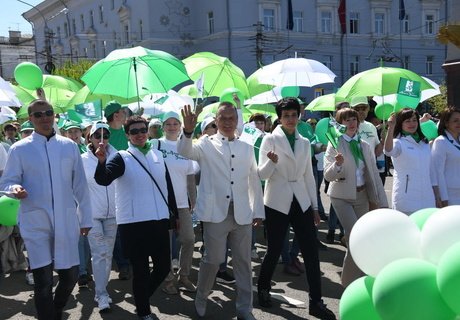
pixel 39 114
pixel 209 126
pixel 137 131
pixel 98 136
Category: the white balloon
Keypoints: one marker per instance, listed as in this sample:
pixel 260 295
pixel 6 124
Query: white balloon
pixel 381 237
pixel 439 232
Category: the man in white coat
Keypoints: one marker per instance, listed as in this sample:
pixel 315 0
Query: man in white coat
pixel 229 202
pixel 45 172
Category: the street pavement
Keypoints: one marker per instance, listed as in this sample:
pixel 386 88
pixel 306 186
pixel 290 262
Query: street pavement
pixel 289 292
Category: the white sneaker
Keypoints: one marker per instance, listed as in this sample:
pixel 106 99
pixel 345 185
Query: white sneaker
pixel 103 304
pixel 30 278
pixel 109 300
pixel 254 254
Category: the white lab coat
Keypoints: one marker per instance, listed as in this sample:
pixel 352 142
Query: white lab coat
pixel 57 205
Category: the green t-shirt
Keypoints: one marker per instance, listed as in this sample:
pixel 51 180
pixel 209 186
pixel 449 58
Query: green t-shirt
pixel 118 139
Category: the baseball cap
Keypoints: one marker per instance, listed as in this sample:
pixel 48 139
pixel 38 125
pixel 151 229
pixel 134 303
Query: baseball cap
pixel 97 126
pixel 8 125
pixel 154 122
pixel 69 124
pixel 355 101
pixel 27 125
pixel 206 122
pixel 170 114
pixel 111 107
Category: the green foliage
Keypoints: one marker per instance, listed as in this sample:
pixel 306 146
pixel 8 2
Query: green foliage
pixel 74 70
pixel 439 102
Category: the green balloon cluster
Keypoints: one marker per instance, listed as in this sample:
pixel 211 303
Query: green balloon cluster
pixel 429 129
pixel 8 211
pixel 29 75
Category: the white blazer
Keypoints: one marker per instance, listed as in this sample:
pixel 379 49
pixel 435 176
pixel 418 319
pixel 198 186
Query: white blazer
pixel 291 176
pixel 228 172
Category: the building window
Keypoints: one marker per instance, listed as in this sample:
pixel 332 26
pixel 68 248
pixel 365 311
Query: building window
pixel 354 65
pixel 58 34
pixel 327 61
pixel 379 23
pixel 429 65
pixel 115 43
pixel 298 21
pixel 74 26
pixel 112 4
pixel 326 22
pixel 104 48
pixel 126 33
pixel 406 25
pixel 406 62
pixel 141 30
pixel 101 14
pixel 66 29
pixel 354 22
pixel 94 50
pixel 85 50
pixel 91 18
pixel 429 24
pixel 211 22
pixel 82 22
pixel 269 19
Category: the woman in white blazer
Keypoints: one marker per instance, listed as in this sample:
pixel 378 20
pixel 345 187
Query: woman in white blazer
pixel 290 198
pixel 445 154
pixel 413 177
pixel 354 182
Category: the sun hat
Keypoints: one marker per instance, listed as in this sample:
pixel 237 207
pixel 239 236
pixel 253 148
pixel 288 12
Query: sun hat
pixel 206 122
pixel 355 101
pixel 97 126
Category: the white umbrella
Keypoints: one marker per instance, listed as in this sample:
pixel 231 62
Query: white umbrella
pixel 156 104
pixel 273 95
pixel 7 95
pixel 424 95
pixel 7 114
pixel 296 72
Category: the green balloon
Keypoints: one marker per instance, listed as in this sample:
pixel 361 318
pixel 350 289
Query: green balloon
pixel 9 211
pixel 384 110
pixel 448 277
pixel 321 129
pixel 356 301
pixel 28 75
pixel 227 95
pixel 429 129
pixel 407 289
pixel 290 92
pixel 421 216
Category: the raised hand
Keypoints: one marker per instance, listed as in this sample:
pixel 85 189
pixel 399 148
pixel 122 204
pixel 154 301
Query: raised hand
pixel 100 153
pixel 190 118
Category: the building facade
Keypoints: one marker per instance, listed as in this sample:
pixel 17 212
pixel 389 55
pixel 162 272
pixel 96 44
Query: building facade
pixel 249 32
pixel 15 49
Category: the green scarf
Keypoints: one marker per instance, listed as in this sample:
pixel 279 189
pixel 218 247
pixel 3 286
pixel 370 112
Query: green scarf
pixel 146 148
pixel 356 151
pixel 415 135
pixel 290 137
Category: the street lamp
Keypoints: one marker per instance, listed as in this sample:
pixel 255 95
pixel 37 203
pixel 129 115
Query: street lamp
pixel 49 66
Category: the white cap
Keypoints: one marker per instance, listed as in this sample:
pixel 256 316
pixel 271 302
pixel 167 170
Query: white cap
pixel 171 114
pixel 356 101
pixel 99 125
pixel 206 122
pixel 154 122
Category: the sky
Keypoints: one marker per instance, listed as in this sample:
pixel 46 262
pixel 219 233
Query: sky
pixel 11 18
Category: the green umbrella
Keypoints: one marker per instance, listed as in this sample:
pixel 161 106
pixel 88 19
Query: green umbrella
pixel 135 72
pixel 60 82
pixel 219 73
pixel 266 109
pixel 322 103
pixel 379 81
pixel 84 95
pixel 254 86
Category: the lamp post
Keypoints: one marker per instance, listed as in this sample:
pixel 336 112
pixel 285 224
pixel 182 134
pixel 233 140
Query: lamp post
pixel 49 66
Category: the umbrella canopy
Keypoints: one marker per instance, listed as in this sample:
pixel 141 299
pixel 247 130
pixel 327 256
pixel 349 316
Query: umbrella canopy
pixel 157 104
pixel 293 72
pixel 424 94
pixel 135 72
pixel 84 95
pixel 270 96
pixel 60 82
pixel 322 103
pixel 266 109
pixel 7 114
pixel 254 86
pixel 379 81
pixel 219 73
pixel 8 95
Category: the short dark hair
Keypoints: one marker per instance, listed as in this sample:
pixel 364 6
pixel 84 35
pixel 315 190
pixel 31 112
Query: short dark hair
pixel 38 102
pixel 287 104
pixel 257 117
pixel 135 119
pixel 346 113
pixel 445 117
pixel 224 105
pixel 401 116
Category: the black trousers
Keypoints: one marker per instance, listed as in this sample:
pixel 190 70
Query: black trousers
pixel 141 241
pixel 277 224
pixel 48 307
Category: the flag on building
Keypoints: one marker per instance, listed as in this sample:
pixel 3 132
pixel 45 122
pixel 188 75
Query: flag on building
pixel 402 10
pixel 342 11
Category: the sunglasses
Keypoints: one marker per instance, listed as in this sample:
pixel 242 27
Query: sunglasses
pixel 213 125
pixel 137 131
pixel 98 136
pixel 39 114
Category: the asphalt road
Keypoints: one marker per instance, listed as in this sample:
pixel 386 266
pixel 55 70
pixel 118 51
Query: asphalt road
pixel 289 292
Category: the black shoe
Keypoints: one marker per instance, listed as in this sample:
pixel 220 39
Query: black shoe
pixel 322 246
pixel 124 274
pixel 323 216
pixel 264 298
pixel 83 281
pixel 319 310
pixel 224 277
pixel 330 237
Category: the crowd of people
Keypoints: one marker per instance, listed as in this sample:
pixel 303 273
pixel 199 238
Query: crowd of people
pixel 126 189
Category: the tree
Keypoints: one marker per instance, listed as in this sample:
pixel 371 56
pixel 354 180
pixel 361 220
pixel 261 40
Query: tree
pixel 439 102
pixel 74 70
